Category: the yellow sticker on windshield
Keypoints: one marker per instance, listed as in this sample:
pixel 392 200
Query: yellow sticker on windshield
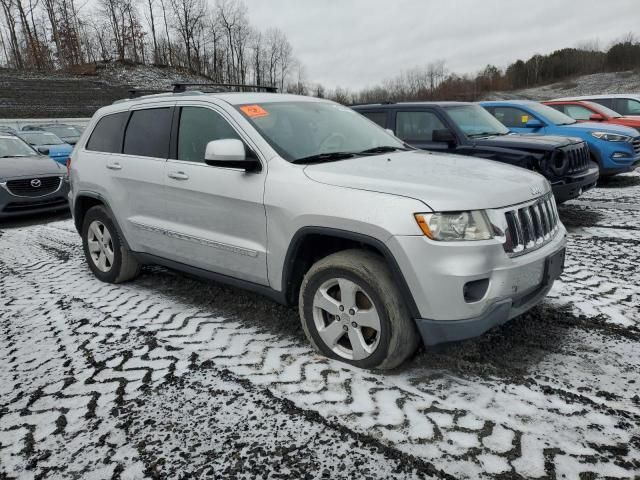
pixel 525 118
pixel 254 111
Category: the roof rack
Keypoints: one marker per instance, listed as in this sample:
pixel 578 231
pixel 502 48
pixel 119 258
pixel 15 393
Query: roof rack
pixel 140 92
pixel 180 87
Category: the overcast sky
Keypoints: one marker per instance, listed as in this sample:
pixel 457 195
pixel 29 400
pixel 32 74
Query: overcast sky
pixel 358 43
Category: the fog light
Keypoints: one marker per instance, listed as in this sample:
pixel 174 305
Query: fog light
pixel 475 291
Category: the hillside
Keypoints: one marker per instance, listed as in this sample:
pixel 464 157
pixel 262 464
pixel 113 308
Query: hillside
pixel 56 95
pixel 599 83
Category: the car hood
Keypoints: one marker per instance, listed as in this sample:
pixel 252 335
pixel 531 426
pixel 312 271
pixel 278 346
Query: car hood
pixel 516 140
pixel 443 182
pixel 35 166
pixel 595 127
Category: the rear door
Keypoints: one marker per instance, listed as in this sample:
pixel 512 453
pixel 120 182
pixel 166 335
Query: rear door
pixel 136 177
pixel 215 215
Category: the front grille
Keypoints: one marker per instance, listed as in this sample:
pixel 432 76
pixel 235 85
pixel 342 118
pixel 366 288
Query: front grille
pixel 33 187
pixel 25 207
pixel 532 226
pixel 636 145
pixel 578 157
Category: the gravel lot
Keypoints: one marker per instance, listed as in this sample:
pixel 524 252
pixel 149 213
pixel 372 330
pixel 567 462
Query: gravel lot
pixel 172 377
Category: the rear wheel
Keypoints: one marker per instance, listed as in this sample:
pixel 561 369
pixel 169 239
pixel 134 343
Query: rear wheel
pixel 351 310
pixel 107 255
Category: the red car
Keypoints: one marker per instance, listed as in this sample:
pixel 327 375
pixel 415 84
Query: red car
pixel 585 111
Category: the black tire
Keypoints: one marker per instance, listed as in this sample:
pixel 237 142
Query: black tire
pixel 124 267
pixel 398 338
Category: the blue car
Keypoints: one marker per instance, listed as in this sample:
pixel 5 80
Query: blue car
pixel 47 141
pixel 616 149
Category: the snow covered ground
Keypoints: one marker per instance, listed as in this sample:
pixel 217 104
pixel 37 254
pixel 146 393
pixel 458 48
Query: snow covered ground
pixel 172 377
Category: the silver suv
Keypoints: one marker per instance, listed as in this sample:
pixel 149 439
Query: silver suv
pixel 308 202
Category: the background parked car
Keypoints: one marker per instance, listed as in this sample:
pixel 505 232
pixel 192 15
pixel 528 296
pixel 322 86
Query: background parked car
pixel 48 143
pixel 468 129
pixel 624 104
pixel 29 182
pixel 67 133
pixel 5 129
pixel 615 148
pixel 585 111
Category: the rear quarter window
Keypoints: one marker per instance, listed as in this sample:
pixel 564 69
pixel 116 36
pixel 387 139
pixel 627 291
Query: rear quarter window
pixel 107 135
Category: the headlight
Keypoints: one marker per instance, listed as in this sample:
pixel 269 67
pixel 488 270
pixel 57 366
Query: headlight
pixel 611 137
pixel 455 226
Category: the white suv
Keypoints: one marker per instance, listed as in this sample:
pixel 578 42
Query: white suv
pixel 308 202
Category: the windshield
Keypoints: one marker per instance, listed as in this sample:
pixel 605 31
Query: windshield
pixel 553 115
pixel 14 147
pixel 602 109
pixel 64 131
pixel 475 121
pixel 298 130
pixel 41 138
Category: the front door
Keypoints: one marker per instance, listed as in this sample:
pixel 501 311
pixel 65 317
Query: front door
pixel 215 215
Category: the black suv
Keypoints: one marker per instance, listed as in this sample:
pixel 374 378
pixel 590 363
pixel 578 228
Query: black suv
pixel 468 129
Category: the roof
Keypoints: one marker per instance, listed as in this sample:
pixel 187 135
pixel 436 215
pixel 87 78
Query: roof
pixel 411 104
pixel 600 97
pixel 233 98
pixel 508 102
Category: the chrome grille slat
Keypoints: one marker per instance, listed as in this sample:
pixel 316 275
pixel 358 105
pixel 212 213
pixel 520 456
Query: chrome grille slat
pixel 531 226
pixel 636 145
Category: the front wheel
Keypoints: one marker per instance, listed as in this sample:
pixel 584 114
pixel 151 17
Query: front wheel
pixel 351 310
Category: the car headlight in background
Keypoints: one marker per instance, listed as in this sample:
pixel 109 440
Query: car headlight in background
pixel 611 137
pixel 455 226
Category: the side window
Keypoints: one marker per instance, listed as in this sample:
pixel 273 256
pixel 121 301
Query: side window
pixel 627 106
pixel 377 117
pixel 607 102
pixel 148 133
pixel 511 117
pixel 107 136
pixel 577 112
pixel 558 107
pixel 198 126
pixel 417 126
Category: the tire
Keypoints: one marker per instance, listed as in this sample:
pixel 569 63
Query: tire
pixel 107 254
pixel 376 295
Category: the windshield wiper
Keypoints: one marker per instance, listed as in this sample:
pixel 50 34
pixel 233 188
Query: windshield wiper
pixel 382 149
pixel 325 157
pixel 486 134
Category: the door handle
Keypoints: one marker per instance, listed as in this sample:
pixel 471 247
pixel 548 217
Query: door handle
pixel 179 176
pixel 114 166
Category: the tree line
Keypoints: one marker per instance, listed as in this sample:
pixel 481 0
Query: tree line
pixel 435 82
pixel 214 39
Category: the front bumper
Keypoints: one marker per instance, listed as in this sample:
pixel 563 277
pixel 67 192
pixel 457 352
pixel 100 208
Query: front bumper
pixel 437 274
pixel 573 186
pixel 14 206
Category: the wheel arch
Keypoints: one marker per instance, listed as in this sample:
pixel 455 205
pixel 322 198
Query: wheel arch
pixel 303 252
pixel 85 201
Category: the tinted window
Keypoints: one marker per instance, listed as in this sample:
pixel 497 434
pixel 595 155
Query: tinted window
pixel 107 136
pixel 607 102
pixel 148 133
pixel 378 117
pixel 578 112
pixel 417 126
pixel 627 106
pixel 510 116
pixel 198 126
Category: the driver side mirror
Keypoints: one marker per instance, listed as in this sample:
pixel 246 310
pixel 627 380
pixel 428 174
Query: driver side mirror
pixel 533 123
pixel 596 117
pixel 231 153
pixel 43 150
pixel 443 136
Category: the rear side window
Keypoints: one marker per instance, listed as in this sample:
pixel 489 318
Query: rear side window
pixel 107 136
pixel 627 106
pixel 417 126
pixel 148 133
pixel 199 126
pixel 377 117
